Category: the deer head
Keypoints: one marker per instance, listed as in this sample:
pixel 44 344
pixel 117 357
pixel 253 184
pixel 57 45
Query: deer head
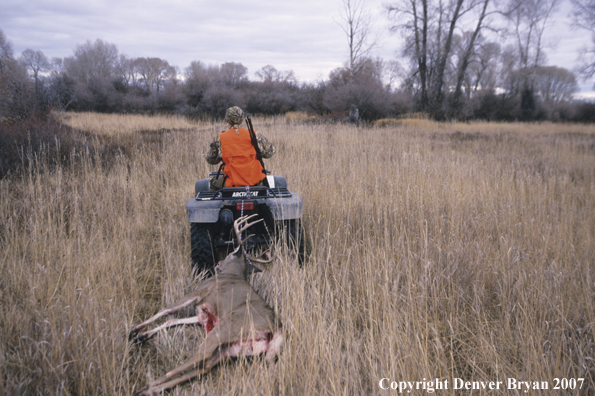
pixel 238 262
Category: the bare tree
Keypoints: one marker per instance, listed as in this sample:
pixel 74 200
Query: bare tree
pixel 275 93
pixel 392 72
pixel 584 17
pixel 529 19
pixel 443 51
pixel 269 74
pixel 412 20
pixel 197 82
pixel 233 74
pixel 483 72
pixel 365 91
pixel 92 61
pixel 5 50
pixel 554 84
pixel 15 86
pixel 357 25
pixel 35 62
pixel 509 63
pixel 469 51
pixel 195 70
pixel 206 73
pixel 429 28
pixel 125 69
pixel 154 72
pixel 5 62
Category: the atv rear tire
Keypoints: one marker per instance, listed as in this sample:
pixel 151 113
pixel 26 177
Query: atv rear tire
pixel 201 242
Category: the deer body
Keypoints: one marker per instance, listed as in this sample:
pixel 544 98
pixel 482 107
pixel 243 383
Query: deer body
pixel 237 322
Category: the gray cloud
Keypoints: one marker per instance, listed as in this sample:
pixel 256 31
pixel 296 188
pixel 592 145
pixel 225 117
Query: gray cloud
pixel 290 35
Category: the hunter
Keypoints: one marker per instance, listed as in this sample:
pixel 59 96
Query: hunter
pixel 241 163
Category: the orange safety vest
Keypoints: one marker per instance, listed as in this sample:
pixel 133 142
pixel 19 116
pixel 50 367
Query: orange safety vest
pixel 242 168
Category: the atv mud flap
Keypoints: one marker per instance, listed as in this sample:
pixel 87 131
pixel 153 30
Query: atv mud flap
pixel 203 211
pixel 286 208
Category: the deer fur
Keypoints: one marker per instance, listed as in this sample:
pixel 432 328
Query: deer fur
pixel 237 321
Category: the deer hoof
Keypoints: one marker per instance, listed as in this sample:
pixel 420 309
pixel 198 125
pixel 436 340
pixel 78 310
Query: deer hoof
pixel 132 335
pixel 136 338
pixel 141 338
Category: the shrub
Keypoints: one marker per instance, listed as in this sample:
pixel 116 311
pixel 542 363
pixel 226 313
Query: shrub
pixel 25 142
pixel 218 99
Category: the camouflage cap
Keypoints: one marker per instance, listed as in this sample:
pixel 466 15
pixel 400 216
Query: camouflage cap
pixel 234 115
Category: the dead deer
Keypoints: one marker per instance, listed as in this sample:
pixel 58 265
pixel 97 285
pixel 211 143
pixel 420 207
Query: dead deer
pixel 237 321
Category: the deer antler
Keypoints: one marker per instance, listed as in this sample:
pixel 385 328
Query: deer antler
pixel 260 260
pixel 239 229
pixel 237 226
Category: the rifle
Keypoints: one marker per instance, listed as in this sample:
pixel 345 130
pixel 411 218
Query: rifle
pixel 255 142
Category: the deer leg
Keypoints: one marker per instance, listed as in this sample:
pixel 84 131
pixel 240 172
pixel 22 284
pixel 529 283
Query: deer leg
pixel 172 322
pixel 169 380
pixel 169 310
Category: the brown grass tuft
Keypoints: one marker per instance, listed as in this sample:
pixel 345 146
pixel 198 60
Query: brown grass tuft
pixel 387 122
pixel 297 116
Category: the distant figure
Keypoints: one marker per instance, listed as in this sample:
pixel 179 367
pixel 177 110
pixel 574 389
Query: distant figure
pixel 354 115
pixel 234 147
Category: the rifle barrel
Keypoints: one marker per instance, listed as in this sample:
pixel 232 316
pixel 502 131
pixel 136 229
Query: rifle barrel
pixel 254 141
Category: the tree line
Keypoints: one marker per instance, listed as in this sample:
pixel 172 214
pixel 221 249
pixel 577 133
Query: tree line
pixel 451 67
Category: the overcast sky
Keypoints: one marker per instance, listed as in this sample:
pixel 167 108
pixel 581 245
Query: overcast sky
pixel 299 35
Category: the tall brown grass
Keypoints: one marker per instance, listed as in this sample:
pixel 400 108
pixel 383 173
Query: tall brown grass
pixel 436 251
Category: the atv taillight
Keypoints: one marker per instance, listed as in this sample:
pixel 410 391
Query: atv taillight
pixel 245 205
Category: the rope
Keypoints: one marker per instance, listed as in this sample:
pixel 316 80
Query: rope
pixel 242 215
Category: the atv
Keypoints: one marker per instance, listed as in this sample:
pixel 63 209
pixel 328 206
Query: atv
pixel 211 215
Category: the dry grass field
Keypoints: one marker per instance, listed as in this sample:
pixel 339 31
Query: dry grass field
pixel 437 251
